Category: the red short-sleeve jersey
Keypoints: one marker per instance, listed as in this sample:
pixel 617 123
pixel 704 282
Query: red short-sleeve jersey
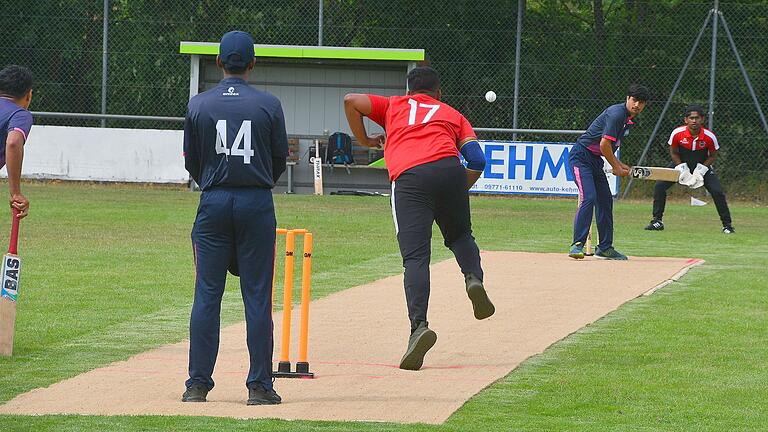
pixel 420 129
pixel 681 137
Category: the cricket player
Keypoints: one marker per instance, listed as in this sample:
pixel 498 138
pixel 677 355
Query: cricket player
pixel 602 139
pixel 235 148
pixel 695 148
pixel 424 137
pixel 15 126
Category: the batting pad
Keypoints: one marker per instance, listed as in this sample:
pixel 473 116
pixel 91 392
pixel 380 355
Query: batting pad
pixel 357 337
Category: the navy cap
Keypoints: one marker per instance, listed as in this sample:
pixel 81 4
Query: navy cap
pixel 236 49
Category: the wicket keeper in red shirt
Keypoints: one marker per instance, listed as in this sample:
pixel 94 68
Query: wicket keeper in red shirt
pixel 424 137
pixel 695 146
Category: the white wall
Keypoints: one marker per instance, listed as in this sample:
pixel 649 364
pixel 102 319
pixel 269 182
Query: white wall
pixel 102 154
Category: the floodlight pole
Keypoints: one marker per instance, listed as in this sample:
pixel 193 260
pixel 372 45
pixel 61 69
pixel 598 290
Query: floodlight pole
pixel 712 66
pixel 669 99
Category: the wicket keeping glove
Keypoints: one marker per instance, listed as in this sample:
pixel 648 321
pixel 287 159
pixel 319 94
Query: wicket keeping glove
pixel 698 181
pixel 701 169
pixel 686 178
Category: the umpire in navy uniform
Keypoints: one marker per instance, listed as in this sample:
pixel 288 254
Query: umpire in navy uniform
pixel 235 148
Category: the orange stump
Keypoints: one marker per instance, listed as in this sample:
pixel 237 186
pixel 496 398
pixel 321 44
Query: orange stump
pixel 284 363
pixel 302 366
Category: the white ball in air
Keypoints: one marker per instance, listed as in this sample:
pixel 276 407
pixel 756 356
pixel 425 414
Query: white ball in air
pixel 490 96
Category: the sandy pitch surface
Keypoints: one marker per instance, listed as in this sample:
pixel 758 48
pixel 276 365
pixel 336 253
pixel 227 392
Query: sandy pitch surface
pixel 357 337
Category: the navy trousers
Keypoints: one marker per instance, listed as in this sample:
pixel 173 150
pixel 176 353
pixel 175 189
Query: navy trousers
pixel 425 194
pixel 233 225
pixel 595 195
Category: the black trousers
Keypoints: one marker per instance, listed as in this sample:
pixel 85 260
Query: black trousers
pixel 432 192
pixel 711 183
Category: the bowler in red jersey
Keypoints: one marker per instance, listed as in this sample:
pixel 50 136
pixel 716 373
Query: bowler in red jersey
pixel 423 140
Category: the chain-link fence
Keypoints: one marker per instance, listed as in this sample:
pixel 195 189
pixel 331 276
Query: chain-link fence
pixel 576 59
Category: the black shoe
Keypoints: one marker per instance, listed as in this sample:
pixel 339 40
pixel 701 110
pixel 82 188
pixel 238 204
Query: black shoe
pixel 481 304
pixel 655 225
pixel 258 395
pixel 195 393
pixel 421 340
pixel 728 229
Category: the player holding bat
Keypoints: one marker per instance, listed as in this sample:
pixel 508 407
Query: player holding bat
pixel 602 138
pixel 15 125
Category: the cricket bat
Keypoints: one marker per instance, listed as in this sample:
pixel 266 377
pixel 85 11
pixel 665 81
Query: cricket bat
pixel 653 173
pixel 9 289
pixel 318 169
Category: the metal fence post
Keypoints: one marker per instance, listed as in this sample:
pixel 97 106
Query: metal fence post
pixel 520 11
pixel 104 60
pixel 712 66
pixel 320 23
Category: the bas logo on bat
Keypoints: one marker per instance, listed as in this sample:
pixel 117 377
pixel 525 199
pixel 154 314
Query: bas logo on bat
pixel 9 288
pixel 10 278
pixel 640 172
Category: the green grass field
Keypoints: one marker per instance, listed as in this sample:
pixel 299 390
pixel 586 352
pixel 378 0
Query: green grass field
pixel 108 273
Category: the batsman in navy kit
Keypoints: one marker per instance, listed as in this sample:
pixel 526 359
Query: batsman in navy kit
pixel 602 139
pixel 15 126
pixel 235 148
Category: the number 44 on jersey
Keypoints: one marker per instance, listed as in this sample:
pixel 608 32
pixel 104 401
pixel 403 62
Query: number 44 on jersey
pixel 241 146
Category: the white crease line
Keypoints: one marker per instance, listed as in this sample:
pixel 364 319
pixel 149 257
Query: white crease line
pixel 674 277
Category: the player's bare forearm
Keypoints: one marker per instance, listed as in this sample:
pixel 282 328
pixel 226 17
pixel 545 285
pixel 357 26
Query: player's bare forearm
pixel 606 148
pixel 472 177
pixel 711 159
pixel 675 155
pixel 356 106
pixel 14 154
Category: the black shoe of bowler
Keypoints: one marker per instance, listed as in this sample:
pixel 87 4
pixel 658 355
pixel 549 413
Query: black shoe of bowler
pixel 481 304
pixel 195 393
pixel 258 395
pixel 422 340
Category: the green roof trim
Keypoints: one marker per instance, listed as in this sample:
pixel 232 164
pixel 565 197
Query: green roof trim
pixel 293 51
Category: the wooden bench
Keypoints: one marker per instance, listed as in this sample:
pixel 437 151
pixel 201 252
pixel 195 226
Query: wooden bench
pixel 361 155
pixel 365 155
